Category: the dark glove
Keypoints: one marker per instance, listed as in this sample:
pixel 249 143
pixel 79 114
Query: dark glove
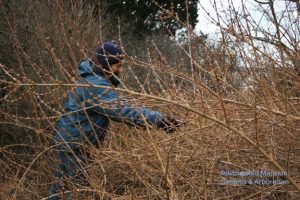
pixel 170 124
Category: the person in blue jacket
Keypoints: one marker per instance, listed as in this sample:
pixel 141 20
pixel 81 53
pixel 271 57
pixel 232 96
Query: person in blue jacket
pixel 88 111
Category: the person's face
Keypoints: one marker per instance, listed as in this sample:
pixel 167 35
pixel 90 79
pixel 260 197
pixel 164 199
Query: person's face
pixel 117 68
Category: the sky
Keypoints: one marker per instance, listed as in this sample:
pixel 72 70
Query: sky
pixel 204 22
pixel 208 27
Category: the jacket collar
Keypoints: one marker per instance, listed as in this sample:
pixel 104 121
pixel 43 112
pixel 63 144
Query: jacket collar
pixel 113 79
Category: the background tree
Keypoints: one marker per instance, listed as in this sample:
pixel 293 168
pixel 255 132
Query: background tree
pixel 147 16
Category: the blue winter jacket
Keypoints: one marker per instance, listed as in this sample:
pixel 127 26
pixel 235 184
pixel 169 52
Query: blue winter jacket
pixel 88 110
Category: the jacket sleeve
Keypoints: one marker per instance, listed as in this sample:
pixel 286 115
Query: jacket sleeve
pixel 107 102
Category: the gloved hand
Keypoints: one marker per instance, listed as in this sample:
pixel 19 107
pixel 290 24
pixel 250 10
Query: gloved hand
pixel 169 124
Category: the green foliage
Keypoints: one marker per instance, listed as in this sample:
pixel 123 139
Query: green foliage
pixel 148 16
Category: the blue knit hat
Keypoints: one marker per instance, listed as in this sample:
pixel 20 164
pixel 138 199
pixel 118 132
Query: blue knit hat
pixel 108 54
